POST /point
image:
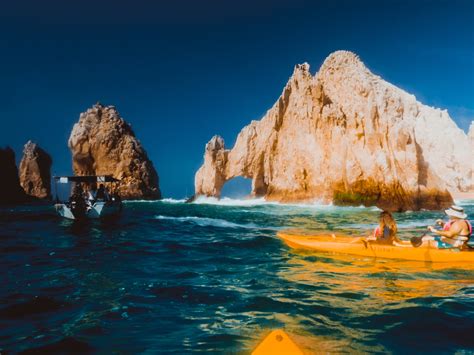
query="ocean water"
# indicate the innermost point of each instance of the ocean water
(170, 277)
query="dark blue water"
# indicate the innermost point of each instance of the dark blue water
(174, 278)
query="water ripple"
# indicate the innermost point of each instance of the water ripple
(212, 276)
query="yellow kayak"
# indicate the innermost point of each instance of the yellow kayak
(277, 343)
(355, 246)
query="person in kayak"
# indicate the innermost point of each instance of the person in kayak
(454, 234)
(386, 232)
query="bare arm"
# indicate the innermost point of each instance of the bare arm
(455, 230)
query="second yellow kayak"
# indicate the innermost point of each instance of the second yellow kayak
(355, 246)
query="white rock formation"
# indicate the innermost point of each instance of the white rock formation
(345, 136)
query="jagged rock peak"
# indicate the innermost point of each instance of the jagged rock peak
(35, 171)
(341, 60)
(303, 68)
(103, 143)
(216, 143)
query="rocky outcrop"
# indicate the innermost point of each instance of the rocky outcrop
(345, 136)
(35, 171)
(10, 188)
(103, 143)
(212, 175)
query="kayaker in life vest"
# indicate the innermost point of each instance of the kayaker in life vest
(386, 232)
(455, 233)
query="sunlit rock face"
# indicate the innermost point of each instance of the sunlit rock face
(102, 143)
(35, 171)
(348, 137)
(10, 188)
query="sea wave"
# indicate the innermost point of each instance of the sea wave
(226, 201)
(464, 202)
(140, 201)
(206, 222)
(165, 200)
(253, 202)
(173, 200)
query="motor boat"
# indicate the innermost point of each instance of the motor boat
(86, 200)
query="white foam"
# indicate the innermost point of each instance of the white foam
(141, 201)
(173, 200)
(165, 200)
(226, 201)
(252, 202)
(204, 222)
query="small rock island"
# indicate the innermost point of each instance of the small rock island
(102, 143)
(35, 171)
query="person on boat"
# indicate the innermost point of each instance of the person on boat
(77, 193)
(107, 194)
(454, 234)
(386, 232)
(77, 200)
(102, 193)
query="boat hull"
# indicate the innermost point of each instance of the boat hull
(354, 246)
(104, 209)
(99, 209)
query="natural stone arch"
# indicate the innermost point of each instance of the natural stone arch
(237, 187)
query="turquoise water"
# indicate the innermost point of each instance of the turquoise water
(169, 277)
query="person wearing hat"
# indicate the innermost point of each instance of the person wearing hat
(455, 233)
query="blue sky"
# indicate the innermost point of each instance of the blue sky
(182, 72)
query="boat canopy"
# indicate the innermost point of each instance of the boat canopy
(85, 179)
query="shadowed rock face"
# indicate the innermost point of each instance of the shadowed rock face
(10, 188)
(35, 171)
(344, 136)
(102, 143)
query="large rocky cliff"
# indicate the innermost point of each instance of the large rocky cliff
(103, 143)
(10, 188)
(345, 136)
(35, 171)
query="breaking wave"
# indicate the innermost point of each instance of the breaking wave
(165, 200)
(140, 201)
(254, 202)
(205, 222)
(226, 201)
(173, 200)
